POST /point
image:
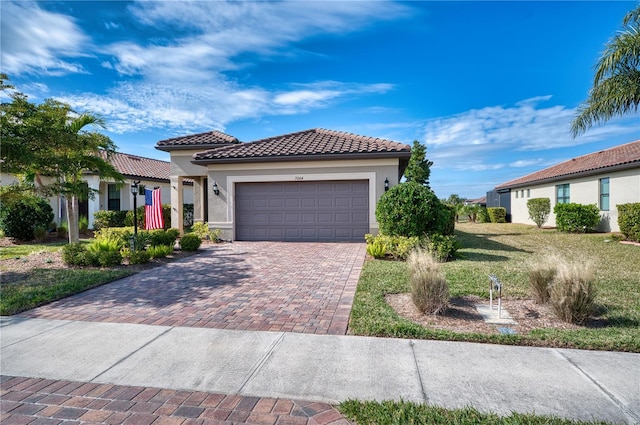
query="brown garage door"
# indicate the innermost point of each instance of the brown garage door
(302, 211)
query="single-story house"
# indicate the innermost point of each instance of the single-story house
(312, 185)
(117, 197)
(606, 178)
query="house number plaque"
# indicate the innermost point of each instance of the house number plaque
(299, 178)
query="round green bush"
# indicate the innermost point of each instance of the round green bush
(190, 242)
(408, 209)
(18, 219)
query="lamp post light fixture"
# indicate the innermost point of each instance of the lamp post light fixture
(386, 184)
(216, 190)
(134, 192)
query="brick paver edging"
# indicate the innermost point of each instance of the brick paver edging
(44, 401)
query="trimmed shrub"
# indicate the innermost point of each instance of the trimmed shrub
(576, 218)
(539, 210)
(442, 248)
(446, 222)
(483, 216)
(18, 218)
(629, 220)
(202, 230)
(573, 293)
(497, 214)
(163, 237)
(108, 258)
(159, 251)
(75, 254)
(121, 234)
(408, 209)
(102, 219)
(190, 242)
(429, 288)
(137, 257)
(128, 217)
(39, 233)
(63, 230)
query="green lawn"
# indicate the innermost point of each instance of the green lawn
(407, 413)
(507, 250)
(35, 287)
(19, 251)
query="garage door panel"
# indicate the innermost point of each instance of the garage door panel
(302, 211)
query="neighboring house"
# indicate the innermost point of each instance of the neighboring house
(606, 178)
(313, 185)
(117, 197)
(478, 201)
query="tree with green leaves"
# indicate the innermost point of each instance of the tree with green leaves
(419, 168)
(50, 140)
(455, 201)
(616, 84)
(539, 210)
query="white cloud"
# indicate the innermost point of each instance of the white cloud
(39, 42)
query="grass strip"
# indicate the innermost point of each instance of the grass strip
(409, 413)
(42, 286)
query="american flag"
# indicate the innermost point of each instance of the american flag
(153, 209)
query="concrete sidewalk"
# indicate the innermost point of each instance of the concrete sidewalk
(587, 385)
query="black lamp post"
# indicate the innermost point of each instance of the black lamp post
(134, 191)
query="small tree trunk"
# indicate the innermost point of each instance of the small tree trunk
(72, 217)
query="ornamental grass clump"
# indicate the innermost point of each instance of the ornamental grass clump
(429, 288)
(541, 276)
(573, 293)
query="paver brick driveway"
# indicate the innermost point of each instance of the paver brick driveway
(272, 286)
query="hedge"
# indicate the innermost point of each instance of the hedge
(629, 220)
(576, 218)
(497, 214)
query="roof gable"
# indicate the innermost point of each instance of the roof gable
(310, 144)
(627, 155)
(210, 139)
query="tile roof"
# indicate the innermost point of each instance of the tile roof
(138, 166)
(626, 156)
(310, 144)
(206, 140)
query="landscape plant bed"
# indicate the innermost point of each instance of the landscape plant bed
(34, 275)
(508, 250)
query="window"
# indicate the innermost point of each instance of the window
(516, 194)
(604, 194)
(113, 197)
(522, 193)
(528, 193)
(562, 194)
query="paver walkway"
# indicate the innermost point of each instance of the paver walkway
(45, 401)
(268, 286)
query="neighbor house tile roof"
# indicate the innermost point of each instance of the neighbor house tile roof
(211, 139)
(310, 144)
(139, 167)
(623, 156)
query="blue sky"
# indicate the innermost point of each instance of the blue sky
(489, 87)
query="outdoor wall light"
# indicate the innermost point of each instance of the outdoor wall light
(386, 184)
(215, 188)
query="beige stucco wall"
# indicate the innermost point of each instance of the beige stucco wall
(221, 207)
(624, 187)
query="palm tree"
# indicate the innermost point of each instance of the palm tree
(81, 153)
(616, 84)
